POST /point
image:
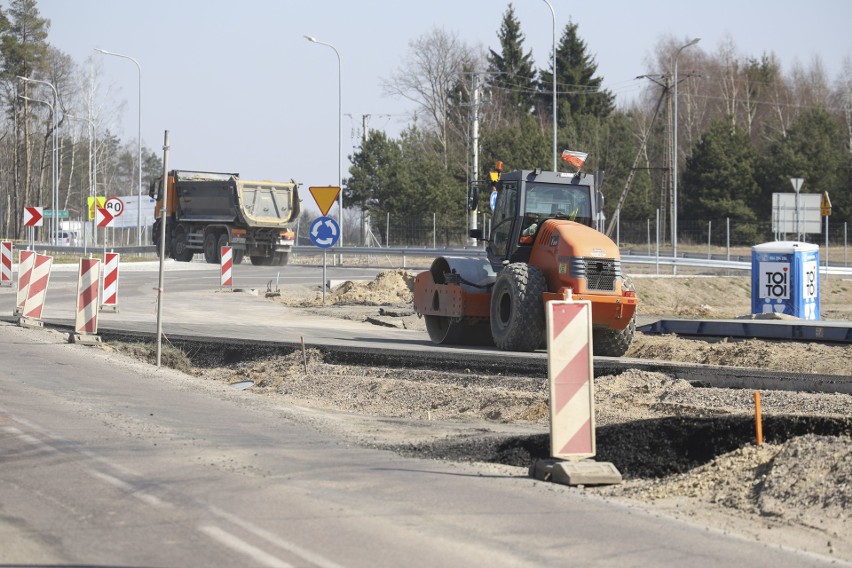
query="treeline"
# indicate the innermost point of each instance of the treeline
(40, 86)
(745, 127)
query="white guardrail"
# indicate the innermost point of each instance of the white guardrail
(691, 260)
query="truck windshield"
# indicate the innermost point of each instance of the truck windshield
(544, 200)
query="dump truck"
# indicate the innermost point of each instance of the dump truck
(542, 246)
(206, 211)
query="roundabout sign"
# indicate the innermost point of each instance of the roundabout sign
(324, 232)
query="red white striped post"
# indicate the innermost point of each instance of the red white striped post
(26, 258)
(572, 399)
(227, 267)
(571, 375)
(110, 295)
(88, 281)
(36, 291)
(6, 248)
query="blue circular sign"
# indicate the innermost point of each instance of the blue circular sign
(324, 232)
(493, 200)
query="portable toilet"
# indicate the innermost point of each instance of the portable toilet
(785, 279)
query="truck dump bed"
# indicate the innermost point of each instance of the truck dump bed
(224, 198)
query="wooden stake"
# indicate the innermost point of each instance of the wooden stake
(304, 355)
(758, 419)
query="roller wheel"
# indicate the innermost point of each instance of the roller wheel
(517, 308)
(609, 342)
(211, 253)
(452, 331)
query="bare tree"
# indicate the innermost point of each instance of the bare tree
(430, 72)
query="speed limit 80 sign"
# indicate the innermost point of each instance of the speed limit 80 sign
(114, 205)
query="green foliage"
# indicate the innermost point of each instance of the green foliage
(719, 180)
(512, 70)
(814, 150)
(578, 90)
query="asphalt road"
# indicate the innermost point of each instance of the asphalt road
(110, 463)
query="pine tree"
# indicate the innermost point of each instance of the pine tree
(513, 71)
(578, 90)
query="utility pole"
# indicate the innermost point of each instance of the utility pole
(474, 215)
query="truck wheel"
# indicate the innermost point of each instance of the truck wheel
(181, 250)
(259, 260)
(211, 252)
(609, 342)
(280, 259)
(517, 308)
(239, 255)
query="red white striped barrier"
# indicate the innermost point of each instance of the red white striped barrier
(37, 290)
(6, 263)
(26, 259)
(227, 266)
(570, 371)
(88, 281)
(110, 295)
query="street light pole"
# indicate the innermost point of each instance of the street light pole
(139, 142)
(54, 220)
(674, 165)
(312, 39)
(55, 199)
(553, 15)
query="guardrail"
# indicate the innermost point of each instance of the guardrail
(691, 260)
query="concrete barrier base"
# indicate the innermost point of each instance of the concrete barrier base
(84, 338)
(109, 308)
(584, 472)
(30, 323)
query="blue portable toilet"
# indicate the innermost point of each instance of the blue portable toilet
(785, 279)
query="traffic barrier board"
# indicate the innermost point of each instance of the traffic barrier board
(110, 287)
(88, 280)
(570, 373)
(37, 289)
(26, 259)
(6, 248)
(227, 266)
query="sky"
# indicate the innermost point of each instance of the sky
(240, 89)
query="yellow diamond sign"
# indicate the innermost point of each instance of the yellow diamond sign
(325, 197)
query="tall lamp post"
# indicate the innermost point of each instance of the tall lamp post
(553, 15)
(312, 39)
(139, 143)
(674, 165)
(53, 226)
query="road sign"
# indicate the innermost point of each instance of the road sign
(103, 217)
(114, 205)
(797, 184)
(825, 205)
(60, 214)
(492, 201)
(325, 197)
(93, 204)
(33, 216)
(324, 232)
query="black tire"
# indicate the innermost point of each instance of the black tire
(280, 259)
(259, 260)
(609, 342)
(181, 251)
(452, 331)
(239, 255)
(517, 308)
(211, 253)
